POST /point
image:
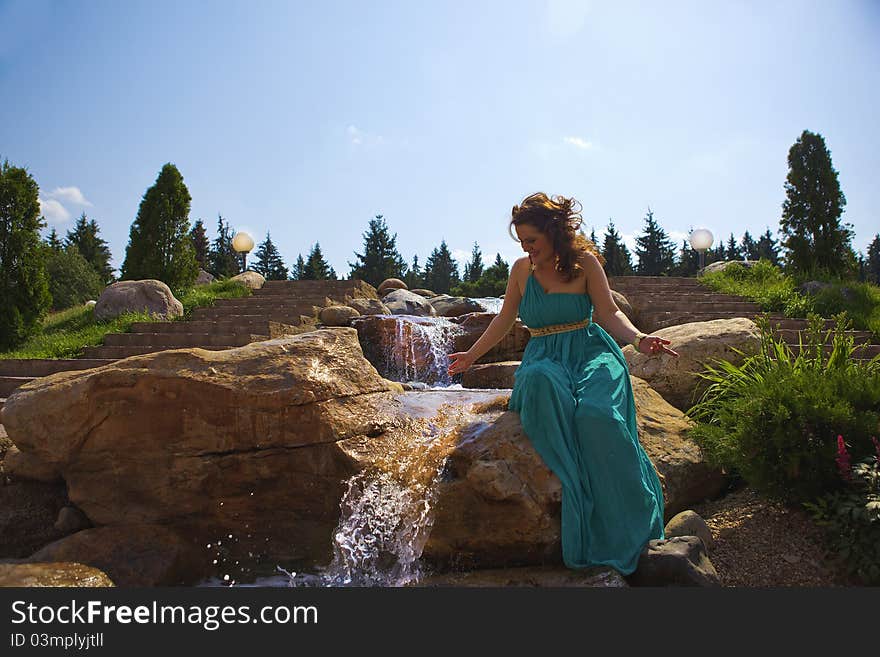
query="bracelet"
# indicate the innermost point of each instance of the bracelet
(638, 339)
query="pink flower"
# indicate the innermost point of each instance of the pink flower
(843, 463)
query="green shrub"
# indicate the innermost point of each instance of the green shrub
(205, 295)
(775, 418)
(72, 280)
(851, 518)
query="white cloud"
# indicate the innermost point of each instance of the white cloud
(53, 211)
(358, 137)
(71, 195)
(582, 144)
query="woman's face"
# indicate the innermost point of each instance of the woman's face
(536, 244)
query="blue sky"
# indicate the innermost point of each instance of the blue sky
(307, 119)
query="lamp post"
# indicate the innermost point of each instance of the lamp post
(243, 243)
(701, 239)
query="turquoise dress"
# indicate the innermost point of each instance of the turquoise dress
(575, 401)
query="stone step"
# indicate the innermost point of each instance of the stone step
(697, 306)
(280, 316)
(695, 295)
(256, 324)
(269, 302)
(790, 336)
(117, 352)
(43, 367)
(10, 383)
(656, 280)
(182, 339)
(305, 287)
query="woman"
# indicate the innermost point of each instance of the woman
(572, 389)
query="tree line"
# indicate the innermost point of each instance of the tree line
(36, 274)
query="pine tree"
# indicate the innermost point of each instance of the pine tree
(298, 271)
(200, 243)
(159, 245)
(654, 249)
(269, 262)
(767, 249)
(732, 252)
(24, 283)
(812, 234)
(84, 237)
(380, 259)
(593, 235)
(474, 269)
(492, 283)
(53, 242)
(222, 258)
(413, 277)
(748, 247)
(872, 264)
(618, 261)
(441, 271)
(688, 260)
(316, 268)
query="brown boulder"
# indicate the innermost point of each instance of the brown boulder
(698, 344)
(24, 465)
(52, 574)
(28, 510)
(253, 280)
(490, 375)
(390, 284)
(424, 293)
(369, 306)
(510, 347)
(337, 315)
(404, 302)
(449, 306)
(148, 295)
(677, 561)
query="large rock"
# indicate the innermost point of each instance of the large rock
(28, 510)
(404, 302)
(24, 465)
(429, 294)
(510, 347)
(624, 305)
(390, 284)
(204, 278)
(52, 574)
(698, 344)
(721, 266)
(447, 306)
(252, 279)
(148, 295)
(196, 440)
(490, 375)
(689, 523)
(369, 306)
(678, 561)
(337, 315)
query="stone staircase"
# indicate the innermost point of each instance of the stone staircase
(278, 308)
(660, 301)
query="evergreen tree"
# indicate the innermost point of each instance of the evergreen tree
(380, 259)
(441, 271)
(492, 283)
(159, 245)
(688, 260)
(732, 252)
(316, 268)
(24, 284)
(812, 234)
(474, 269)
(654, 249)
(749, 247)
(298, 271)
(269, 262)
(767, 249)
(222, 258)
(84, 237)
(200, 244)
(872, 264)
(53, 242)
(718, 254)
(413, 277)
(593, 235)
(618, 261)
(72, 279)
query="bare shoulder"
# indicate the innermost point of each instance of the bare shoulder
(519, 272)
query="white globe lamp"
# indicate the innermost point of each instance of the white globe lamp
(701, 239)
(243, 243)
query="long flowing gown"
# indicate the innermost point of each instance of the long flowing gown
(575, 401)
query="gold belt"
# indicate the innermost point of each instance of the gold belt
(558, 328)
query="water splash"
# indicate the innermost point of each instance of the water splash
(491, 304)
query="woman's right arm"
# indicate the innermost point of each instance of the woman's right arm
(498, 327)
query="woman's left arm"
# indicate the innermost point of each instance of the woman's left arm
(610, 317)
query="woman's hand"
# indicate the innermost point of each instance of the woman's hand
(459, 362)
(652, 344)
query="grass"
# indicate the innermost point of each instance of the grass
(66, 333)
(775, 291)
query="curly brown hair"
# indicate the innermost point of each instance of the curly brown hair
(558, 218)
